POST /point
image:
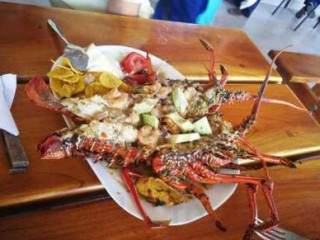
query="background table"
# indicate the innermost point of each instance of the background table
(27, 45)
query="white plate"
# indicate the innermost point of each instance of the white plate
(112, 182)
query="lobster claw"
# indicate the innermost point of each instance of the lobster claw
(224, 76)
(213, 81)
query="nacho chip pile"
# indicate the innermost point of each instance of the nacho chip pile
(66, 81)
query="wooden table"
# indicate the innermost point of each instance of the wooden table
(297, 194)
(298, 67)
(298, 70)
(280, 130)
(26, 32)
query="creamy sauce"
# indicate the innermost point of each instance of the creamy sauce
(109, 131)
(87, 107)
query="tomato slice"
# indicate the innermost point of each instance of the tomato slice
(134, 62)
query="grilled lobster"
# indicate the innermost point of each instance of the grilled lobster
(183, 165)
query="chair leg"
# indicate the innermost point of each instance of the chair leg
(285, 6)
(278, 7)
(318, 22)
(305, 18)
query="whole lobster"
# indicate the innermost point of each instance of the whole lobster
(181, 166)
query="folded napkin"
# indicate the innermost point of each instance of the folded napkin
(8, 86)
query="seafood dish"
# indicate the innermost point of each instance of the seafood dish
(129, 115)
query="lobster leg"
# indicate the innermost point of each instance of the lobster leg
(265, 157)
(211, 73)
(241, 167)
(158, 166)
(199, 168)
(252, 191)
(196, 173)
(267, 189)
(199, 194)
(126, 175)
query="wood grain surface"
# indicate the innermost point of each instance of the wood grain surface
(297, 196)
(27, 45)
(298, 67)
(297, 70)
(310, 100)
(280, 130)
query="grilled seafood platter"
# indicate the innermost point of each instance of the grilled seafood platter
(162, 136)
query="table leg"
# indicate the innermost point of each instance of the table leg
(305, 18)
(285, 6)
(316, 23)
(278, 7)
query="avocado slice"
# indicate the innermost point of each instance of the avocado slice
(202, 126)
(145, 106)
(150, 120)
(184, 124)
(179, 100)
(180, 138)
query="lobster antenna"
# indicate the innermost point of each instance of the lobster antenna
(258, 101)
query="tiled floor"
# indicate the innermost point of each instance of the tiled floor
(273, 32)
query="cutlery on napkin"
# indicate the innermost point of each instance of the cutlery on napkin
(17, 155)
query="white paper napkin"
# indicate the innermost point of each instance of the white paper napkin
(8, 86)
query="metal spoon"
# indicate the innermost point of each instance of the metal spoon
(76, 54)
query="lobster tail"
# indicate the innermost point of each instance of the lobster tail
(39, 92)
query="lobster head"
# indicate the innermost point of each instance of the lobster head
(52, 147)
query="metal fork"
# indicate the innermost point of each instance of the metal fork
(278, 234)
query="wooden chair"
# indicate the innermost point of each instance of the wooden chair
(318, 22)
(300, 71)
(282, 2)
(303, 20)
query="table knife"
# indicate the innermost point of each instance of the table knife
(17, 156)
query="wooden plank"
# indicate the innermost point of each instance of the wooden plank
(26, 48)
(280, 130)
(45, 179)
(297, 196)
(308, 98)
(316, 90)
(298, 67)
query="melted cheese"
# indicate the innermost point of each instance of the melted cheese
(87, 107)
(109, 131)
